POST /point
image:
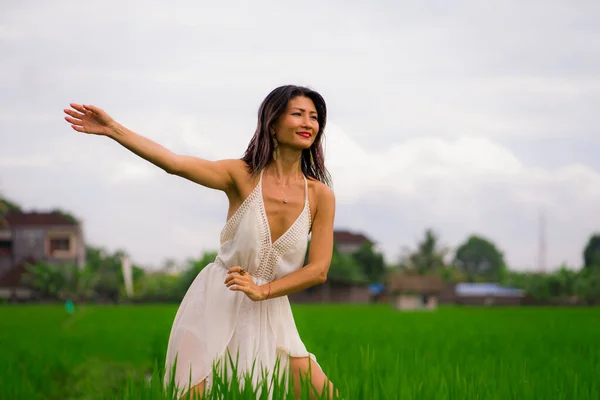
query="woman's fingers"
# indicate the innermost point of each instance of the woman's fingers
(73, 113)
(78, 107)
(237, 269)
(92, 108)
(229, 280)
(240, 289)
(234, 281)
(237, 280)
(74, 121)
(79, 128)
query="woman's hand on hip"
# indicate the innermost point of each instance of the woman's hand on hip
(238, 279)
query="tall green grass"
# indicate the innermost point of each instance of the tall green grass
(369, 352)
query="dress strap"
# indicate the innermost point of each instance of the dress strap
(305, 188)
(307, 204)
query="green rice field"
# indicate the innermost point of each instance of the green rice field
(369, 352)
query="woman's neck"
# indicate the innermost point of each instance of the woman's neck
(287, 167)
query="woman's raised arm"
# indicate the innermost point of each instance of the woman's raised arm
(95, 121)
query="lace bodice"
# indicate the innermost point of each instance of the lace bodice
(246, 239)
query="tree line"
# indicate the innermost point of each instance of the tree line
(477, 259)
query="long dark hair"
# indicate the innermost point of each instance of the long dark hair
(259, 153)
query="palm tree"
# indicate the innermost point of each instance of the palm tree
(428, 257)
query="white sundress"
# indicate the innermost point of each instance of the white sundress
(212, 319)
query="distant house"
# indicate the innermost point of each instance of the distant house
(349, 242)
(11, 286)
(414, 292)
(30, 237)
(487, 294)
(333, 291)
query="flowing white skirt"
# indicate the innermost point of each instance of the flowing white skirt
(213, 321)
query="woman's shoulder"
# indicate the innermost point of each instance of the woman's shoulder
(321, 193)
(237, 168)
(317, 186)
(242, 175)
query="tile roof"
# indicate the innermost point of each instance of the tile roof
(37, 219)
(401, 282)
(346, 237)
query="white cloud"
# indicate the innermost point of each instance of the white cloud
(26, 161)
(130, 171)
(464, 186)
(404, 164)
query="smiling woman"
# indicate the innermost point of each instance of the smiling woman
(278, 193)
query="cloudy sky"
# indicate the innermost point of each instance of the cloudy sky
(463, 116)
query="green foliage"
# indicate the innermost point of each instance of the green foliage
(48, 280)
(479, 258)
(192, 268)
(591, 253)
(563, 286)
(158, 286)
(228, 383)
(65, 214)
(345, 268)
(352, 268)
(64, 281)
(587, 286)
(476, 260)
(108, 270)
(451, 274)
(371, 263)
(428, 257)
(169, 285)
(101, 278)
(7, 206)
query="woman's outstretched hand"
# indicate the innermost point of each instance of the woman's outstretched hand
(240, 280)
(89, 119)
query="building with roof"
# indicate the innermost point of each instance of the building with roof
(30, 237)
(487, 294)
(348, 242)
(414, 292)
(333, 291)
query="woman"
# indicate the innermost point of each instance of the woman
(278, 193)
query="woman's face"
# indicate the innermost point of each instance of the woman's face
(298, 126)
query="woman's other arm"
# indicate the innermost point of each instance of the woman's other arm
(319, 258)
